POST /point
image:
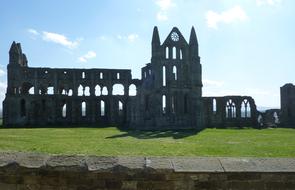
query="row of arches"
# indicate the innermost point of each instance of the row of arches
(173, 53)
(83, 108)
(64, 109)
(117, 89)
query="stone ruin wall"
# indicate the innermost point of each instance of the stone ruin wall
(42, 96)
(68, 96)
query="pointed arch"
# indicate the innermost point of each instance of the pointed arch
(50, 90)
(120, 108)
(167, 52)
(230, 109)
(180, 54)
(118, 89)
(80, 90)
(102, 108)
(164, 104)
(132, 90)
(104, 91)
(70, 93)
(164, 75)
(32, 90)
(97, 90)
(174, 53)
(87, 91)
(83, 109)
(64, 111)
(245, 109)
(214, 105)
(175, 72)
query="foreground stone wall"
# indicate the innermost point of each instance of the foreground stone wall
(20, 171)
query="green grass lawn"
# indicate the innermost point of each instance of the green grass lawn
(111, 142)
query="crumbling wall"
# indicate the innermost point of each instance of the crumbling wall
(230, 111)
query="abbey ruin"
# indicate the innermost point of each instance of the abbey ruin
(168, 95)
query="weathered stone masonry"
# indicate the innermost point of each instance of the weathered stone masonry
(20, 171)
(169, 95)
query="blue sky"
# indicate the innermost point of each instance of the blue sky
(246, 47)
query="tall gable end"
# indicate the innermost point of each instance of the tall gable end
(175, 38)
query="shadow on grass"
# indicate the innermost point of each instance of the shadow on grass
(156, 134)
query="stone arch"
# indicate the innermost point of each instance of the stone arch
(174, 70)
(70, 92)
(83, 109)
(102, 108)
(214, 105)
(80, 90)
(167, 52)
(25, 87)
(97, 90)
(174, 54)
(120, 108)
(245, 109)
(87, 91)
(164, 75)
(276, 118)
(118, 89)
(104, 91)
(64, 110)
(180, 54)
(230, 109)
(32, 90)
(132, 90)
(164, 105)
(50, 90)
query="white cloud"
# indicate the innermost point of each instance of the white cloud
(87, 56)
(33, 31)
(162, 16)
(208, 82)
(235, 14)
(268, 2)
(2, 72)
(132, 37)
(2, 92)
(59, 39)
(164, 6)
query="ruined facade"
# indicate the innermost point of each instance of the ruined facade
(169, 95)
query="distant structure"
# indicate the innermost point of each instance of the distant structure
(287, 114)
(169, 95)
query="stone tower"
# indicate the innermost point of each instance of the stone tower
(288, 105)
(171, 91)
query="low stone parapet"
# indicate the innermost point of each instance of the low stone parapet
(31, 171)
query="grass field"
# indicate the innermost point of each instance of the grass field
(111, 142)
